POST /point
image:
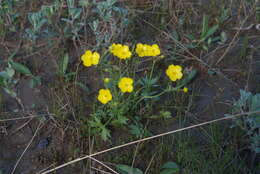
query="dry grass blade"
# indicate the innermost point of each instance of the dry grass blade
(45, 168)
(19, 128)
(150, 163)
(94, 159)
(231, 43)
(23, 118)
(100, 170)
(149, 138)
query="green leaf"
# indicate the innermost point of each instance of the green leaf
(244, 98)
(125, 169)
(255, 103)
(204, 26)
(170, 165)
(175, 35)
(2, 81)
(4, 75)
(75, 12)
(84, 3)
(48, 10)
(170, 168)
(136, 130)
(223, 37)
(255, 106)
(166, 114)
(10, 72)
(64, 64)
(169, 171)
(71, 3)
(211, 72)
(121, 120)
(105, 134)
(20, 68)
(190, 36)
(210, 32)
(10, 92)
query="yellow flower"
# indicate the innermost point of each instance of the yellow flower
(106, 80)
(86, 58)
(143, 50)
(155, 51)
(174, 72)
(185, 89)
(120, 51)
(95, 58)
(126, 84)
(104, 96)
(90, 58)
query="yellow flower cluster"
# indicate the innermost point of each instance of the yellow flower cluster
(174, 72)
(120, 51)
(126, 84)
(143, 50)
(90, 58)
(104, 96)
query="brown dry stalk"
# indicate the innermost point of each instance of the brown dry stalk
(149, 138)
(232, 41)
(28, 117)
(94, 159)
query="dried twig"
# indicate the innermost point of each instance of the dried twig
(94, 159)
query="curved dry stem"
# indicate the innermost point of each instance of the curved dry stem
(94, 159)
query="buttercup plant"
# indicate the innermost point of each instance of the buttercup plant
(116, 107)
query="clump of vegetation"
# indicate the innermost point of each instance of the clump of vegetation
(123, 94)
(249, 103)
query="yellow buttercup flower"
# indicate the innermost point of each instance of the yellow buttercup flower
(95, 58)
(155, 50)
(120, 51)
(104, 96)
(126, 84)
(143, 50)
(90, 58)
(174, 72)
(185, 89)
(86, 58)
